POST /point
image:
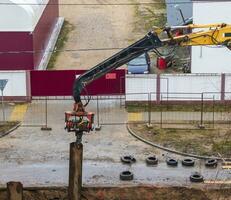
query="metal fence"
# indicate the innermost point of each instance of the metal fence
(186, 110)
(171, 110)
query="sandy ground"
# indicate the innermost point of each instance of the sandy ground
(95, 27)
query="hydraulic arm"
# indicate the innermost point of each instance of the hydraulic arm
(79, 120)
(150, 41)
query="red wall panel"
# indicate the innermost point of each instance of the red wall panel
(60, 83)
(16, 42)
(44, 29)
(25, 41)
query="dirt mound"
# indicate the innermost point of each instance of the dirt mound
(128, 193)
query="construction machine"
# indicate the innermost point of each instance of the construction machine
(79, 120)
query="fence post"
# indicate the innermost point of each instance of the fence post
(46, 128)
(202, 110)
(158, 81)
(213, 111)
(223, 81)
(14, 191)
(3, 108)
(98, 126)
(149, 125)
(161, 112)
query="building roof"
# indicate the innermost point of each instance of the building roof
(17, 16)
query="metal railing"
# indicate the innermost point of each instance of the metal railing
(201, 109)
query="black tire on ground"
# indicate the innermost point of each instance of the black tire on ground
(188, 162)
(172, 162)
(128, 159)
(196, 178)
(152, 160)
(211, 163)
(126, 176)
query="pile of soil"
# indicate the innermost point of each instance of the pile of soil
(128, 193)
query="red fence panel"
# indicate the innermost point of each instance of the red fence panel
(60, 83)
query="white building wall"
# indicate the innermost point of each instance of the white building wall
(190, 86)
(16, 85)
(181, 87)
(17, 16)
(211, 59)
(138, 87)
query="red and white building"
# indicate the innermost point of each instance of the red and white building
(29, 27)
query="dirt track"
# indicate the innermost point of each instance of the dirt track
(95, 27)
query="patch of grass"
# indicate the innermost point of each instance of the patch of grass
(6, 126)
(144, 107)
(223, 147)
(62, 39)
(206, 142)
(148, 16)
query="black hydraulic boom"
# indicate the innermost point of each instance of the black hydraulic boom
(80, 121)
(150, 41)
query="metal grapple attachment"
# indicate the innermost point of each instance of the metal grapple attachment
(78, 120)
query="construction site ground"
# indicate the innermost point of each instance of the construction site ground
(38, 158)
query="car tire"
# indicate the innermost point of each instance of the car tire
(211, 163)
(128, 159)
(152, 160)
(188, 162)
(171, 162)
(126, 176)
(196, 178)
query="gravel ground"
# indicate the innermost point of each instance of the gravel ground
(95, 27)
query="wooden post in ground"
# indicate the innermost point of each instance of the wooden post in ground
(14, 191)
(75, 171)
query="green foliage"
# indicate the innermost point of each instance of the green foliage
(223, 147)
(148, 16)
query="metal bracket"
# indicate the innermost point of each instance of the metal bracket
(79, 135)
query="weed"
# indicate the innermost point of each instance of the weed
(62, 39)
(195, 141)
(143, 107)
